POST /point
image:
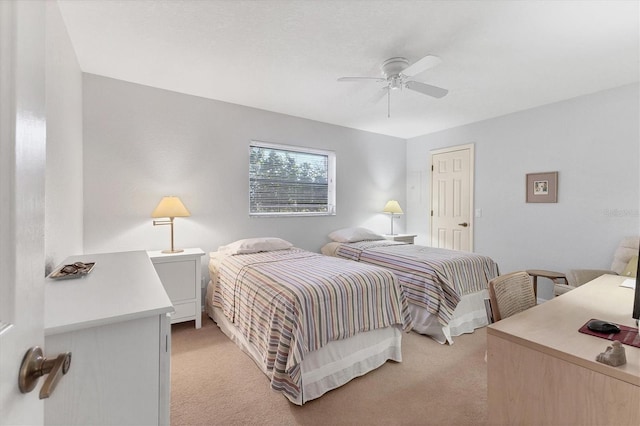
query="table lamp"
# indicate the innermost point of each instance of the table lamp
(393, 208)
(170, 207)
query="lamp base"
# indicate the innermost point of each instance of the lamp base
(173, 251)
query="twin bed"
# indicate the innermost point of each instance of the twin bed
(310, 322)
(446, 289)
(313, 322)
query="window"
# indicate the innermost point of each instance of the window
(290, 181)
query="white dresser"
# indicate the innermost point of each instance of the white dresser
(180, 274)
(115, 323)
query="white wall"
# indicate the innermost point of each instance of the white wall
(63, 187)
(593, 142)
(141, 143)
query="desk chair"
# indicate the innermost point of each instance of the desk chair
(510, 294)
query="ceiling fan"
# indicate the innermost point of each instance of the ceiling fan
(397, 75)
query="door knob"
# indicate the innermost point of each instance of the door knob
(463, 224)
(34, 365)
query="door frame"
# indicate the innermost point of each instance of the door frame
(472, 160)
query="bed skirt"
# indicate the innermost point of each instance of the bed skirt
(469, 315)
(331, 366)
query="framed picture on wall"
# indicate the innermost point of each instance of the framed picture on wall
(542, 187)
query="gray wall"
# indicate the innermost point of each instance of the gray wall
(63, 187)
(593, 142)
(141, 143)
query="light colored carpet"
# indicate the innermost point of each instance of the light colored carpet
(215, 383)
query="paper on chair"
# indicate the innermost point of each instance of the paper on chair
(629, 282)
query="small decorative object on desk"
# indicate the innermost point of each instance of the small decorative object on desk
(74, 270)
(614, 355)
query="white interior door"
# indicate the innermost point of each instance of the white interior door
(452, 198)
(22, 171)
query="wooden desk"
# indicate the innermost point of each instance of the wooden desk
(541, 370)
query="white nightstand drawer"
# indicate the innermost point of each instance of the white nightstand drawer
(403, 238)
(183, 310)
(178, 278)
(181, 277)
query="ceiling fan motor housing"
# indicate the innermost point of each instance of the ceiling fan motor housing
(394, 66)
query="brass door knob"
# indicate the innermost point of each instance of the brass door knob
(34, 365)
(463, 224)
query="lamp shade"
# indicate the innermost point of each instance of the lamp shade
(170, 207)
(392, 206)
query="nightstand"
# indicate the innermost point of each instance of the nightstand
(403, 238)
(180, 274)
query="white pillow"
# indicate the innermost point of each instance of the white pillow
(255, 245)
(352, 235)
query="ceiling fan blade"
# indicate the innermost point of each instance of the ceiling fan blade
(427, 89)
(361, 79)
(423, 64)
(379, 95)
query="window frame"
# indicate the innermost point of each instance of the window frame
(295, 149)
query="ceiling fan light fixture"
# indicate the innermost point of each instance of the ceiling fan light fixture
(395, 83)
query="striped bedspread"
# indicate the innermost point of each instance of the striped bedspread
(291, 302)
(432, 278)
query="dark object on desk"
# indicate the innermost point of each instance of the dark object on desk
(603, 327)
(627, 336)
(636, 299)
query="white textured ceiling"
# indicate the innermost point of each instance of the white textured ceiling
(285, 56)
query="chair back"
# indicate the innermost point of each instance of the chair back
(510, 294)
(627, 249)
